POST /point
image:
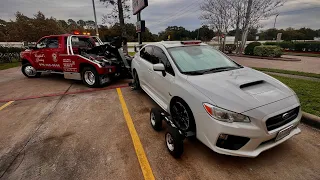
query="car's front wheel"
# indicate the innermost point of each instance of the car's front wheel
(90, 77)
(182, 115)
(29, 71)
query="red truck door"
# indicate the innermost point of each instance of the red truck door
(46, 55)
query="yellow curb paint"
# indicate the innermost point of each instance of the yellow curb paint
(5, 105)
(143, 160)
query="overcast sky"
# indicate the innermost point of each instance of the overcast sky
(160, 13)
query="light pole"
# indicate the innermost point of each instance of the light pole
(95, 18)
(275, 21)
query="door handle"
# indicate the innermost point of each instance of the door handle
(150, 71)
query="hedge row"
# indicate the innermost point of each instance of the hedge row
(9, 54)
(297, 46)
(4, 50)
(250, 48)
(267, 51)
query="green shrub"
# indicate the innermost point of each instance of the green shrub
(8, 54)
(250, 47)
(297, 46)
(230, 47)
(268, 51)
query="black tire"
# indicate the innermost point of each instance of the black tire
(136, 81)
(91, 82)
(155, 119)
(174, 142)
(29, 71)
(178, 110)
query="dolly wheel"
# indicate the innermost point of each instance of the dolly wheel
(155, 119)
(174, 142)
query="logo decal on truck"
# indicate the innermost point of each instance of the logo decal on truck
(54, 57)
(68, 65)
(39, 57)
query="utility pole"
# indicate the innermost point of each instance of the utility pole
(275, 21)
(198, 34)
(139, 33)
(246, 26)
(95, 18)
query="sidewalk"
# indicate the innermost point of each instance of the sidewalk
(307, 64)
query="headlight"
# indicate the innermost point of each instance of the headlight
(103, 64)
(225, 115)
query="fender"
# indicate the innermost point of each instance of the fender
(27, 56)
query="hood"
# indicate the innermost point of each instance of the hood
(240, 90)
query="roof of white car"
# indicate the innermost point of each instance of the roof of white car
(170, 44)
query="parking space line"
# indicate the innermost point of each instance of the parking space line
(5, 105)
(143, 160)
(65, 93)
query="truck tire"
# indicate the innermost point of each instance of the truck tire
(90, 77)
(29, 71)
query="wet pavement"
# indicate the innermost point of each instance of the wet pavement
(85, 136)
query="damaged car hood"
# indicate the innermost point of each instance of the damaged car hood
(240, 90)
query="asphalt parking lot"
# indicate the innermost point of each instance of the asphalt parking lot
(54, 128)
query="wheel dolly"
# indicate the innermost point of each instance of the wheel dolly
(174, 136)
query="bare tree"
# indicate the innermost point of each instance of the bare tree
(238, 14)
(218, 14)
(257, 10)
(119, 12)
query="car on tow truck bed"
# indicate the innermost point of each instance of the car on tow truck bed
(232, 109)
(67, 54)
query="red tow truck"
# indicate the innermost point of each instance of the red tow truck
(78, 57)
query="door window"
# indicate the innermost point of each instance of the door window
(52, 43)
(42, 43)
(158, 52)
(147, 54)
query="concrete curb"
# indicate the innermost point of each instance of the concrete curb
(311, 120)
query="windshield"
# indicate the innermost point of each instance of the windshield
(200, 60)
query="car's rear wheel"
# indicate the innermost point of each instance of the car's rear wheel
(182, 115)
(90, 77)
(29, 71)
(136, 81)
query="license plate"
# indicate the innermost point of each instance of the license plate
(284, 132)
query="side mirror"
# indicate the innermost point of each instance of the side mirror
(158, 67)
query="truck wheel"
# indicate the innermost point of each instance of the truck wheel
(155, 119)
(29, 71)
(174, 142)
(90, 77)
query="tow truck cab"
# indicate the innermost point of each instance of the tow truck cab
(62, 54)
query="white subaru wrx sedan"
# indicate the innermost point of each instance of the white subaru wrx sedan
(233, 109)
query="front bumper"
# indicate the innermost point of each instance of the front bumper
(260, 139)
